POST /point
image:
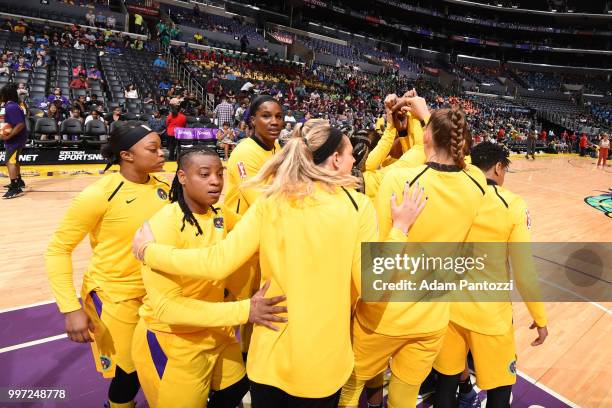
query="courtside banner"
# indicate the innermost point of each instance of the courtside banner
(57, 156)
(486, 272)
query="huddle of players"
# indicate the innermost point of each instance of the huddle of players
(166, 324)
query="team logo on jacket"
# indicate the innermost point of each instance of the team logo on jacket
(512, 367)
(241, 170)
(105, 362)
(528, 219)
(218, 222)
(162, 194)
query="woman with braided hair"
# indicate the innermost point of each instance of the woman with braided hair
(411, 333)
(307, 225)
(184, 344)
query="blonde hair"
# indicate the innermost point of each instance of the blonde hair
(450, 132)
(292, 173)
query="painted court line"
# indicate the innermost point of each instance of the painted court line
(548, 390)
(33, 343)
(11, 309)
(586, 300)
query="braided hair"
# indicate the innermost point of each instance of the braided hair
(450, 132)
(176, 191)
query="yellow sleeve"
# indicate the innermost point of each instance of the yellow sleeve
(216, 262)
(523, 268)
(415, 130)
(382, 149)
(85, 212)
(171, 307)
(382, 203)
(368, 232)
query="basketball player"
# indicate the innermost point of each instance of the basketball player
(308, 227)
(110, 211)
(411, 333)
(184, 344)
(485, 328)
(15, 140)
(267, 120)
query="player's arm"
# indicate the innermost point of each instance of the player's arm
(215, 262)
(523, 268)
(382, 149)
(84, 213)
(82, 216)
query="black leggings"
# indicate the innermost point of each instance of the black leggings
(266, 396)
(446, 391)
(123, 387)
(499, 397)
(229, 397)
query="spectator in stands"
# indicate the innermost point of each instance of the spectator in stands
(247, 87)
(138, 20)
(242, 131)
(53, 112)
(227, 139)
(238, 116)
(289, 118)
(110, 22)
(156, 122)
(22, 92)
(75, 113)
(285, 134)
(79, 83)
(131, 92)
(114, 116)
(149, 99)
(40, 62)
(78, 70)
(197, 37)
(175, 119)
(224, 112)
(100, 20)
(21, 27)
(91, 18)
(57, 96)
(160, 62)
(93, 115)
(81, 104)
(211, 85)
(5, 68)
(164, 84)
(95, 103)
(29, 50)
(22, 65)
(78, 45)
(93, 74)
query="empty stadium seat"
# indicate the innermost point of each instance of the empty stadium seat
(71, 129)
(45, 127)
(95, 133)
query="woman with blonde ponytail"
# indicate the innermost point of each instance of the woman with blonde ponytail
(308, 226)
(411, 333)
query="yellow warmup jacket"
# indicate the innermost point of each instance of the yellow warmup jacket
(502, 218)
(454, 198)
(110, 211)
